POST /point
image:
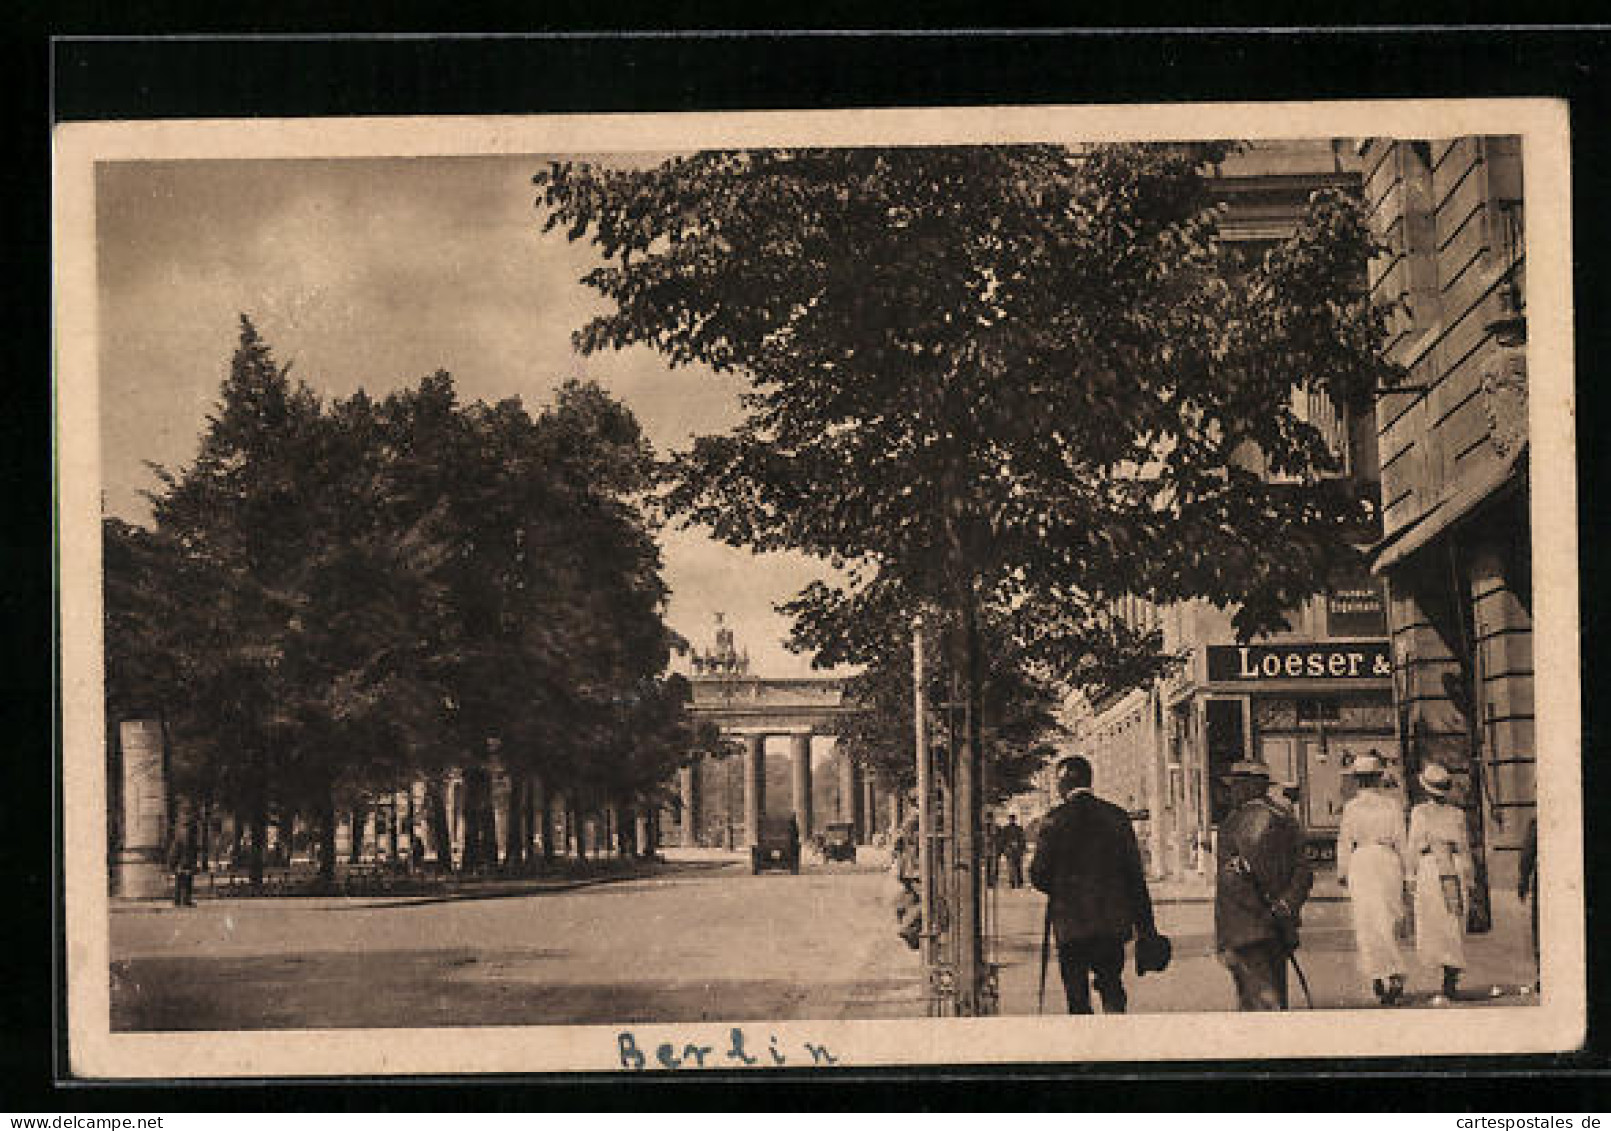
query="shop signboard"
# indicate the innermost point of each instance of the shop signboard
(1357, 610)
(1306, 662)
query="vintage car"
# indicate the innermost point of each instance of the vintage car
(777, 845)
(839, 841)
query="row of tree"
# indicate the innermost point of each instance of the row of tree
(338, 598)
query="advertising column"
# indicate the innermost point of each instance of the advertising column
(140, 873)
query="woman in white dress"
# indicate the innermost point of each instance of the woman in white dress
(1370, 863)
(1440, 860)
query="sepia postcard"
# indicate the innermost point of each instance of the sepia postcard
(819, 590)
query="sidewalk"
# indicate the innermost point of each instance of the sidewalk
(1193, 888)
(440, 890)
(1500, 971)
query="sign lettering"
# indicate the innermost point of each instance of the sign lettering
(1232, 663)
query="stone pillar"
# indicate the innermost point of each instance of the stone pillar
(1503, 642)
(456, 815)
(849, 796)
(869, 808)
(800, 782)
(499, 796)
(640, 829)
(344, 836)
(140, 868)
(754, 785)
(688, 782)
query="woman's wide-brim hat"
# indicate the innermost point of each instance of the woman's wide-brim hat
(1436, 779)
(1366, 764)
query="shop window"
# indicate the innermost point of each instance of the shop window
(1227, 743)
(1366, 712)
(1274, 714)
(1312, 712)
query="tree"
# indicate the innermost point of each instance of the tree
(1018, 382)
(339, 598)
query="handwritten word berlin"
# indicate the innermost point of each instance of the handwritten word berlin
(737, 1054)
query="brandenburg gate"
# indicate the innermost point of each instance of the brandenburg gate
(752, 707)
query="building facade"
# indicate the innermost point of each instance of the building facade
(1453, 441)
(1304, 701)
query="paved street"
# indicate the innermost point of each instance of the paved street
(705, 942)
(716, 942)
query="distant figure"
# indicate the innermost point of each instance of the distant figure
(1370, 864)
(1261, 884)
(182, 857)
(1440, 856)
(1089, 865)
(1527, 885)
(1013, 847)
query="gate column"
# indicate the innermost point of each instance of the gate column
(754, 785)
(850, 796)
(690, 804)
(800, 751)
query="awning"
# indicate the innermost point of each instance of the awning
(1444, 513)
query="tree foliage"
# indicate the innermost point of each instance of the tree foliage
(1024, 379)
(337, 598)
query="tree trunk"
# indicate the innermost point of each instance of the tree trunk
(355, 851)
(515, 823)
(968, 778)
(626, 831)
(545, 819)
(327, 840)
(259, 825)
(436, 820)
(206, 838)
(474, 803)
(578, 832)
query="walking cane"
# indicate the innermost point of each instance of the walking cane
(1045, 950)
(1302, 981)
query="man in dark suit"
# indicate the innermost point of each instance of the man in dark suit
(1089, 865)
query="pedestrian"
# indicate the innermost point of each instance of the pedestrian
(1089, 865)
(1440, 860)
(1370, 864)
(182, 857)
(1527, 886)
(992, 850)
(1013, 846)
(1260, 886)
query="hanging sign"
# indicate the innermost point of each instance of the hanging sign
(1232, 663)
(1356, 611)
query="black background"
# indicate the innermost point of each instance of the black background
(204, 77)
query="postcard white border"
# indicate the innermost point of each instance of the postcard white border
(1557, 1024)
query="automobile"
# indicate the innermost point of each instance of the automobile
(777, 845)
(839, 841)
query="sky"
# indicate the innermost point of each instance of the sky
(374, 273)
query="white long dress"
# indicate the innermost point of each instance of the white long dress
(1370, 857)
(1438, 845)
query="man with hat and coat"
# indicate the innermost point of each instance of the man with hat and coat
(1262, 881)
(1440, 861)
(1088, 863)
